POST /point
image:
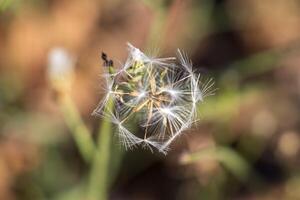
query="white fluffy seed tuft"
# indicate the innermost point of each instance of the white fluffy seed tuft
(161, 95)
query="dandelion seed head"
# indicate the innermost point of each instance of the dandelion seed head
(160, 95)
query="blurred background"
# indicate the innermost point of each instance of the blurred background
(247, 143)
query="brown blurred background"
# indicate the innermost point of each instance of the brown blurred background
(250, 47)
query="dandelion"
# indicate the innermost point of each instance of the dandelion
(159, 94)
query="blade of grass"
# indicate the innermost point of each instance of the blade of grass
(229, 158)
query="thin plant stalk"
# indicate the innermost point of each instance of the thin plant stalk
(98, 180)
(80, 132)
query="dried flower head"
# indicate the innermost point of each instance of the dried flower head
(159, 94)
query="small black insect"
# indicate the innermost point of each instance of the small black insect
(107, 62)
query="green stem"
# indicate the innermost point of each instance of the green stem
(98, 180)
(80, 132)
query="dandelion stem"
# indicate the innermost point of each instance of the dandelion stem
(78, 129)
(98, 180)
